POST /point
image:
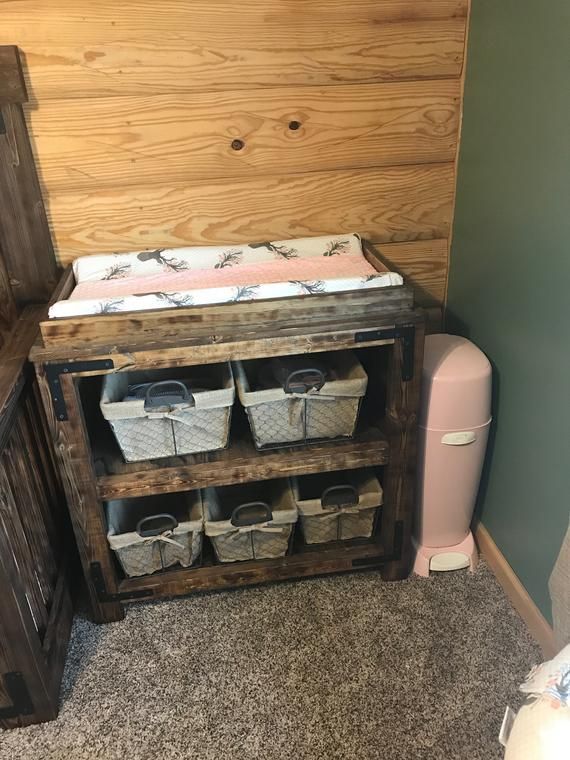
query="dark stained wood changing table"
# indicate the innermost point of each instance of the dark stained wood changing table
(73, 354)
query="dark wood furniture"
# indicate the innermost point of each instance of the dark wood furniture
(74, 353)
(71, 357)
(35, 605)
(29, 271)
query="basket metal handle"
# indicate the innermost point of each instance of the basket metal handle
(178, 389)
(251, 513)
(302, 380)
(157, 524)
(336, 497)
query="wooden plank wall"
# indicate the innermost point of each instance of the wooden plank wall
(217, 121)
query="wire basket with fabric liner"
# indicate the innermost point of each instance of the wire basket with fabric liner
(300, 399)
(337, 506)
(163, 413)
(156, 532)
(252, 521)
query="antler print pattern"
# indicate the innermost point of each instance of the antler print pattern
(281, 251)
(245, 293)
(229, 258)
(310, 288)
(171, 264)
(336, 247)
(116, 271)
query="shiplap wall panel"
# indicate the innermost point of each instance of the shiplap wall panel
(141, 46)
(386, 205)
(423, 262)
(87, 143)
(337, 52)
(85, 20)
(133, 108)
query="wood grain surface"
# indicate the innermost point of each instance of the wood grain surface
(92, 49)
(12, 86)
(240, 463)
(317, 559)
(218, 323)
(103, 142)
(76, 470)
(396, 414)
(385, 205)
(34, 593)
(424, 265)
(399, 482)
(82, 20)
(338, 53)
(347, 117)
(25, 241)
(8, 311)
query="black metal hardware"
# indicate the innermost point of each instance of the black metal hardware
(156, 524)
(179, 393)
(251, 513)
(398, 540)
(394, 557)
(344, 495)
(405, 333)
(303, 380)
(15, 687)
(2, 125)
(53, 371)
(98, 581)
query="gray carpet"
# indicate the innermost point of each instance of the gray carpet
(341, 667)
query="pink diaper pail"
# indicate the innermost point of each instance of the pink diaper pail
(454, 422)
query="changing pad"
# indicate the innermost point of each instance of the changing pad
(166, 278)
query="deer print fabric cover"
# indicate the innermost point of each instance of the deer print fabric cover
(166, 278)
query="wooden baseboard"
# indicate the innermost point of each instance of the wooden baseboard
(536, 623)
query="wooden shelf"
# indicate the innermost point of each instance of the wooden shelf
(95, 471)
(320, 560)
(240, 463)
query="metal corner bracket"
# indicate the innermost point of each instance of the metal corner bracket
(98, 581)
(405, 333)
(53, 372)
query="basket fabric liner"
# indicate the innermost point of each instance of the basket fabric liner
(279, 417)
(186, 428)
(115, 389)
(143, 555)
(263, 540)
(167, 278)
(321, 524)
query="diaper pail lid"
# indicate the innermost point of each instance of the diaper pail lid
(456, 384)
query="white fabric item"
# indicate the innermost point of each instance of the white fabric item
(370, 495)
(205, 296)
(97, 267)
(543, 679)
(350, 381)
(115, 387)
(541, 730)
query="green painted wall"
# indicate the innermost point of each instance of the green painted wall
(509, 288)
